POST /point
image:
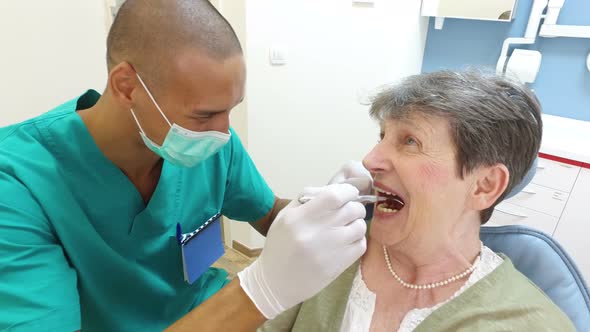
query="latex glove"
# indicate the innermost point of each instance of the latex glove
(306, 248)
(354, 173)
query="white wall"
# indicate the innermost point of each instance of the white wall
(304, 118)
(51, 51)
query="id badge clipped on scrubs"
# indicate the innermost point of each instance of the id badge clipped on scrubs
(201, 248)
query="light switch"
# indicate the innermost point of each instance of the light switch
(278, 55)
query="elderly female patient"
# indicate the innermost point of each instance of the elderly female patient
(452, 145)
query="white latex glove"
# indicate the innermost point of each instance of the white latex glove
(306, 248)
(354, 173)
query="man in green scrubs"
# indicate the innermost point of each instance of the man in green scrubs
(91, 193)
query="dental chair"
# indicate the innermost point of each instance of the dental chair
(543, 260)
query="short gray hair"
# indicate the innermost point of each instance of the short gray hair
(492, 118)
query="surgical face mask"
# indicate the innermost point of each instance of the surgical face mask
(183, 147)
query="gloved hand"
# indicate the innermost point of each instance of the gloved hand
(306, 248)
(354, 173)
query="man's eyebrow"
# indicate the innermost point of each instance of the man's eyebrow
(207, 112)
(211, 112)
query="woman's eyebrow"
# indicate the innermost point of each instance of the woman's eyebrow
(421, 129)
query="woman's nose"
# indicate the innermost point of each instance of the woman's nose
(375, 161)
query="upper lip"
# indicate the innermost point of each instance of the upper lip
(382, 187)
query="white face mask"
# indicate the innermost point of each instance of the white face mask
(183, 147)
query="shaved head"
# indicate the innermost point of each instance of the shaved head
(149, 33)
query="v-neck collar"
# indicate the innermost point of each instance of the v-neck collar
(150, 218)
(161, 212)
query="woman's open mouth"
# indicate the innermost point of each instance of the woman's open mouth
(392, 204)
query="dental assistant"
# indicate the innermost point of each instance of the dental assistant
(92, 194)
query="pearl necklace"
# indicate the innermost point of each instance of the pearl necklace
(434, 284)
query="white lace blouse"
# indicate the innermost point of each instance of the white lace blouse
(361, 301)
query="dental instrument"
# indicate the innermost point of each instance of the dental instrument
(364, 199)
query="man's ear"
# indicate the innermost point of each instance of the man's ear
(122, 82)
(490, 184)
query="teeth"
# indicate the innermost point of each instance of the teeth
(386, 210)
(383, 191)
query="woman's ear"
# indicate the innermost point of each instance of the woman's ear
(490, 184)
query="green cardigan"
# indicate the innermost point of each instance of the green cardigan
(504, 300)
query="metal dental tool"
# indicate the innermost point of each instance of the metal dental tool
(364, 199)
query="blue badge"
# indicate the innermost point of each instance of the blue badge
(201, 248)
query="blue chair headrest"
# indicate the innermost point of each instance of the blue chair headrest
(543, 261)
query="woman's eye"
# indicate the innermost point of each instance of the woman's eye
(410, 141)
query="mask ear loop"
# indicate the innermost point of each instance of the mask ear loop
(153, 100)
(137, 121)
(142, 132)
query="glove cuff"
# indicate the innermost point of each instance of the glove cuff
(255, 286)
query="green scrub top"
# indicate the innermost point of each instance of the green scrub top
(79, 249)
